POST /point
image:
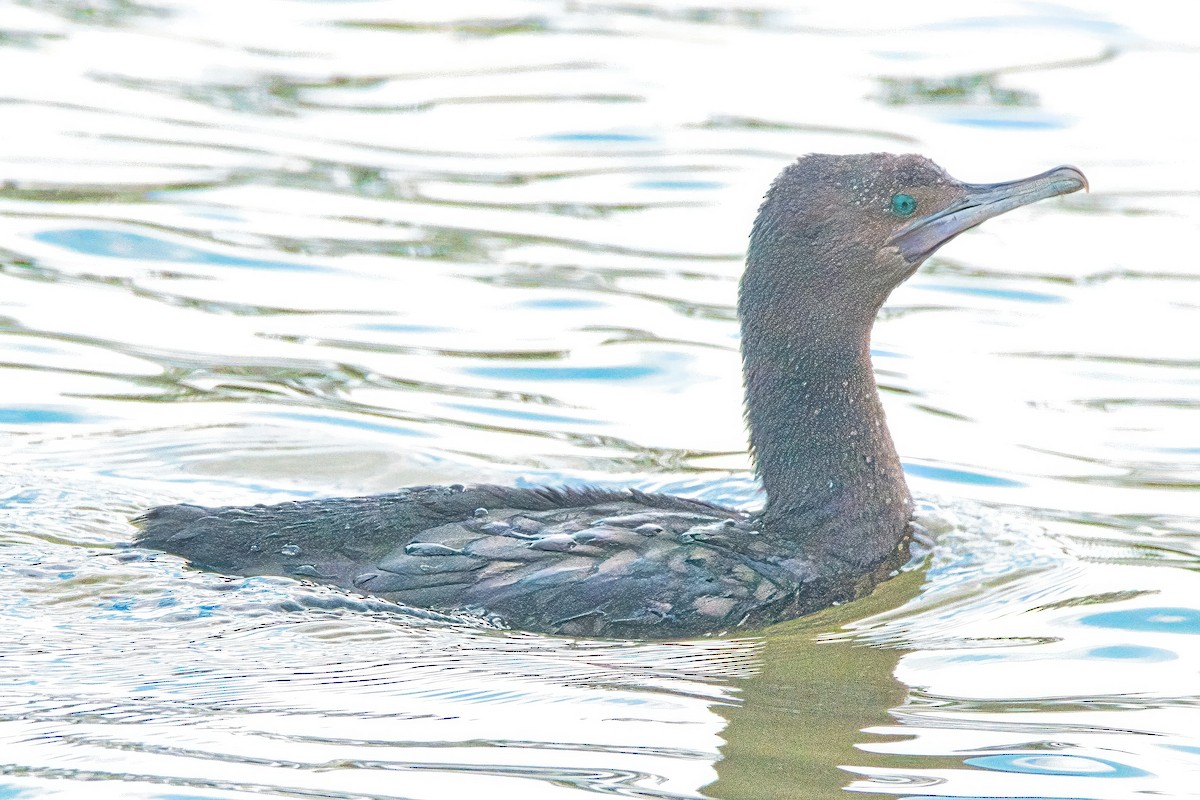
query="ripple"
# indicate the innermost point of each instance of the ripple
(1066, 765)
(254, 253)
(1158, 620)
(1131, 652)
(118, 244)
(959, 475)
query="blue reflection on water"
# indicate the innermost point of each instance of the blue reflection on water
(618, 373)
(513, 413)
(117, 604)
(348, 422)
(1005, 122)
(958, 476)
(24, 415)
(561, 303)
(1002, 294)
(1131, 652)
(1117, 652)
(122, 244)
(1159, 620)
(1047, 21)
(395, 327)
(1057, 764)
(21, 498)
(679, 184)
(977, 657)
(585, 136)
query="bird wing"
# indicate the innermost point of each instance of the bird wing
(577, 561)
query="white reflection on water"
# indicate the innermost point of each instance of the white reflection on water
(266, 250)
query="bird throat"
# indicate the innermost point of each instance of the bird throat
(833, 481)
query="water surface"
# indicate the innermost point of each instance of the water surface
(259, 251)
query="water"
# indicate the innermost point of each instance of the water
(268, 250)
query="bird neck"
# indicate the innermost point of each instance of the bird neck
(834, 485)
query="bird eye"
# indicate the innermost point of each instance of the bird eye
(904, 205)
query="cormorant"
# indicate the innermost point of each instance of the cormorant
(834, 236)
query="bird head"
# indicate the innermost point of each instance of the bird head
(853, 227)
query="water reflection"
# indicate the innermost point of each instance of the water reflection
(305, 692)
(119, 244)
(979, 90)
(1162, 620)
(253, 252)
(802, 714)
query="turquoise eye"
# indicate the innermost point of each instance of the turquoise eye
(904, 205)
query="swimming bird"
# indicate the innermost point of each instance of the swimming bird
(833, 237)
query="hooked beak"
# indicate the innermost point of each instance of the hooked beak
(917, 240)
